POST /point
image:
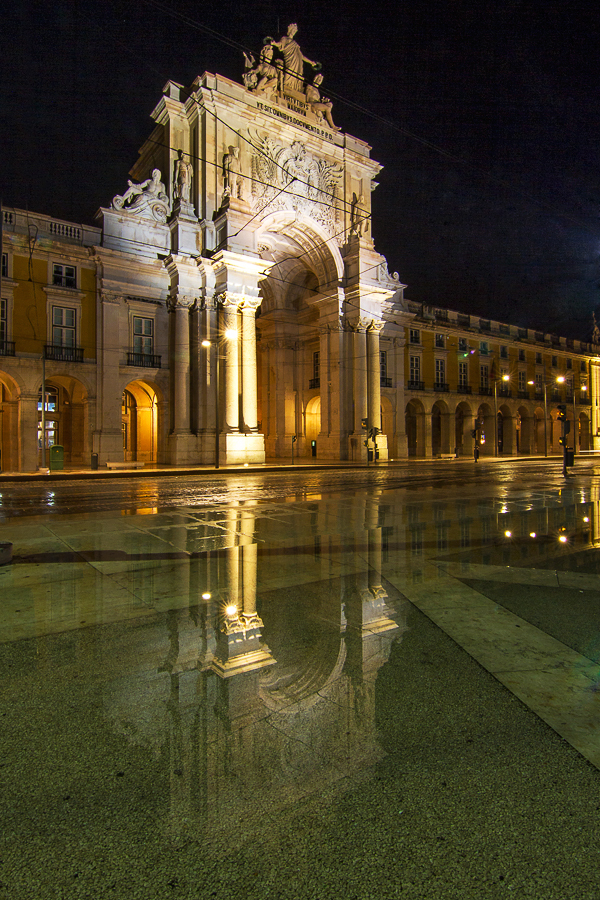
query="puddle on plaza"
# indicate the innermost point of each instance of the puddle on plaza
(237, 656)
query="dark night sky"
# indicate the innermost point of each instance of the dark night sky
(485, 118)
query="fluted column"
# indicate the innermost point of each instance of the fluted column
(232, 379)
(249, 374)
(374, 379)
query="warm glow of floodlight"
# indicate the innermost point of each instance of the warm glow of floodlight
(231, 610)
(206, 343)
(231, 334)
(584, 387)
(563, 538)
(508, 534)
(531, 382)
(246, 465)
(560, 379)
(586, 518)
(206, 596)
(532, 534)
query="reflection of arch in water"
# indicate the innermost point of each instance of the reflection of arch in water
(139, 422)
(440, 428)
(415, 428)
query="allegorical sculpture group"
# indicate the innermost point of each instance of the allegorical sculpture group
(281, 68)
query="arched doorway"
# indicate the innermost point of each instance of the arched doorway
(524, 431)
(313, 425)
(485, 429)
(440, 430)
(9, 424)
(139, 422)
(65, 420)
(415, 428)
(507, 438)
(463, 428)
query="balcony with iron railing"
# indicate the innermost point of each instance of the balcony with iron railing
(143, 360)
(504, 391)
(523, 395)
(485, 390)
(314, 383)
(7, 348)
(463, 389)
(415, 386)
(441, 386)
(63, 354)
(385, 382)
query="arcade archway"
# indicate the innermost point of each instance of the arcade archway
(139, 422)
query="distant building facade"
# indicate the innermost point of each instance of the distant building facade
(232, 300)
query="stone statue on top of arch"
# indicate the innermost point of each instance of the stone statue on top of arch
(286, 69)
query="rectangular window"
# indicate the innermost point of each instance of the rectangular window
(539, 383)
(484, 376)
(383, 363)
(522, 381)
(555, 362)
(317, 365)
(51, 400)
(582, 367)
(521, 355)
(64, 276)
(440, 371)
(143, 335)
(439, 341)
(463, 374)
(5, 265)
(3, 322)
(538, 358)
(415, 368)
(569, 362)
(462, 345)
(569, 387)
(484, 347)
(51, 434)
(63, 326)
(415, 336)
(503, 352)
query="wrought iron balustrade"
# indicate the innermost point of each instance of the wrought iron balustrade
(523, 395)
(505, 392)
(415, 386)
(7, 348)
(485, 390)
(143, 360)
(463, 389)
(386, 382)
(63, 354)
(314, 383)
(441, 386)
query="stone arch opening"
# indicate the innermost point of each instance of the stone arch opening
(312, 426)
(67, 421)
(463, 428)
(485, 429)
(440, 428)
(139, 422)
(415, 428)
(9, 424)
(525, 431)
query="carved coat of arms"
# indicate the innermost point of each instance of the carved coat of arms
(289, 177)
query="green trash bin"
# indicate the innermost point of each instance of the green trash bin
(57, 457)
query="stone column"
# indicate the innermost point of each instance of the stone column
(374, 373)
(249, 374)
(28, 432)
(180, 364)
(230, 345)
(359, 376)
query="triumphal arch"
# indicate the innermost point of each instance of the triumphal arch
(243, 244)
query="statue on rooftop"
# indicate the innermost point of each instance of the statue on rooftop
(293, 61)
(148, 199)
(261, 78)
(595, 330)
(358, 215)
(322, 106)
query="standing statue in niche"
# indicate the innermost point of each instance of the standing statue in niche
(232, 182)
(148, 199)
(358, 215)
(293, 61)
(261, 78)
(320, 105)
(183, 178)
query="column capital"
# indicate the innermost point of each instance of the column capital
(235, 300)
(182, 301)
(110, 297)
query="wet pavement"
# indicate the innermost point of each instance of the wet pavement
(344, 683)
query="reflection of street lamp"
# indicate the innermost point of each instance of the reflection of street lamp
(496, 380)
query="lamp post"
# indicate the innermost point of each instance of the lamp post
(496, 380)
